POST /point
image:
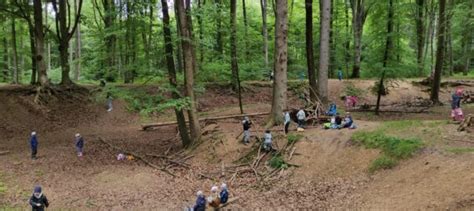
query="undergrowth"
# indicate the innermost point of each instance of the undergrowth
(278, 162)
(460, 150)
(393, 149)
(293, 138)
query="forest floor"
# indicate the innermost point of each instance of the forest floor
(332, 171)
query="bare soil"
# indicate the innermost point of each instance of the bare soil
(332, 172)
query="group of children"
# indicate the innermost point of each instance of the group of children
(214, 200)
(78, 143)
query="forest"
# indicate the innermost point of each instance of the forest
(184, 76)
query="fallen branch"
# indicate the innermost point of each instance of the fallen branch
(137, 156)
(4, 152)
(291, 154)
(468, 121)
(160, 124)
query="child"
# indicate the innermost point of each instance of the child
(38, 201)
(267, 141)
(246, 124)
(109, 102)
(339, 74)
(287, 121)
(332, 110)
(348, 122)
(301, 116)
(224, 194)
(213, 199)
(33, 145)
(79, 144)
(350, 101)
(456, 112)
(200, 202)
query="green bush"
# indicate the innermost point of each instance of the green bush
(393, 148)
(294, 138)
(383, 162)
(277, 162)
(351, 90)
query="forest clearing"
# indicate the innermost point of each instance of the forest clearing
(236, 104)
(332, 169)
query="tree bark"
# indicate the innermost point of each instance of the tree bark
(77, 56)
(219, 37)
(439, 53)
(14, 53)
(309, 51)
(468, 42)
(31, 31)
(233, 52)
(201, 31)
(110, 38)
(325, 14)
(183, 130)
(263, 4)
(420, 32)
(347, 43)
(188, 53)
(39, 38)
(5, 59)
(281, 63)
(386, 55)
(244, 12)
(359, 14)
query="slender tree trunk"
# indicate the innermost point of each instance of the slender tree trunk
(263, 4)
(420, 31)
(331, 43)
(5, 58)
(309, 51)
(281, 62)
(439, 53)
(244, 12)
(233, 52)
(468, 42)
(64, 44)
(110, 37)
(325, 14)
(33, 54)
(77, 56)
(386, 55)
(39, 38)
(188, 53)
(201, 31)
(448, 39)
(179, 52)
(347, 43)
(359, 14)
(14, 53)
(183, 131)
(219, 37)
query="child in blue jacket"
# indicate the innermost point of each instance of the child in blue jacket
(33, 145)
(79, 144)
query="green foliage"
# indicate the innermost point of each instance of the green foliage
(294, 138)
(393, 148)
(278, 162)
(383, 162)
(460, 150)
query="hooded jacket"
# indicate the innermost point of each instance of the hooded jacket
(224, 196)
(33, 142)
(79, 142)
(42, 200)
(200, 204)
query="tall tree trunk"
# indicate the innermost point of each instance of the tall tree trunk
(263, 4)
(179, 52)
(420, 32)
(332, 49)
(347, 43)
(219, 37)
(448, 39)
(64, 44)
(467, 37)
(359, 14)
(14, 53)
(233, 52)
(110, 37)
(34, 73)
(201, 31)
(5, 58)
(386, 55)
(77, 56)
(244, 12)
(309, 51)
(183, 131)
(188, 53)
(281, 62)
(439, 53)
(39, 38)
(325, 17)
